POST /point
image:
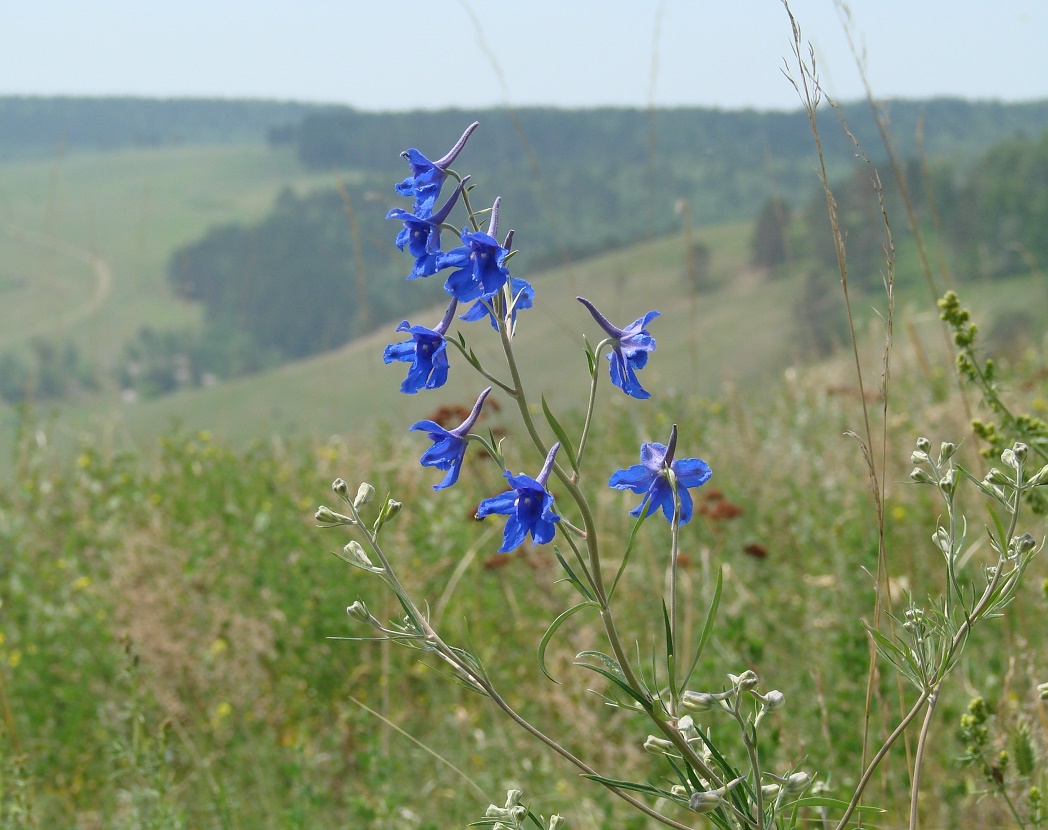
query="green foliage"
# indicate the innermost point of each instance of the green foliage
(771, 234)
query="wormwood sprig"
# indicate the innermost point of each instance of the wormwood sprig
(981, 372)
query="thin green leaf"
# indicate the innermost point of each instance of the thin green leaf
(626, 556)
(562, 436)
(544, 642)
(613, 673)
(573, 579)
(669, 630)
(707, 627)
(647, 789)
(836, 803)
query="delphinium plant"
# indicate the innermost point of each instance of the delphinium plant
(706, 731)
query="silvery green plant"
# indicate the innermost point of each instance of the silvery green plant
(689, 723)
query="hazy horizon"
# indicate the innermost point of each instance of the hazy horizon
(378, 56)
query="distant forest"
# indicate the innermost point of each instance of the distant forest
(321, 268)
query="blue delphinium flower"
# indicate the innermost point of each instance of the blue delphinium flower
(629, 349)
(528, 505)
(481, 272)
(651, 477)
(426, 351)
(427, 177)
(523, 297)
(449, 445)
(421, 235)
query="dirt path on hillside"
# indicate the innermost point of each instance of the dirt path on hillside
(100, 268)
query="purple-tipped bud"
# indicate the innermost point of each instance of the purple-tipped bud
(463, 429)
(602, 321)
(547, 466)
(445, 161)
(442, 214)
(493, 224)
(671, 448)
(449, 315)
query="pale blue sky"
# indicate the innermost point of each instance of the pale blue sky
(403, 54)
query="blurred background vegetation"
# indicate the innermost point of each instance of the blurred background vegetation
(194, 298)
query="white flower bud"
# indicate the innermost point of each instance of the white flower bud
(341, 488)
(365, 493)
(770, 790)
(359, 611)
(923, 444)
(946, 451)
(745, 681)
(704, 802)
(1042, 691)
(919, 457)
(1039, 478)
(326, 516)
(698, 701)
(797, 783)
(774, 700)
(921, 476)
(658, 746)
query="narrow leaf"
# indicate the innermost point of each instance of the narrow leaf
(562, 436)
(553, 629)
(707, 627)
(626, 556)
(647, 789)
(572, 578)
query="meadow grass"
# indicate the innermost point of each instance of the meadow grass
(165, 652)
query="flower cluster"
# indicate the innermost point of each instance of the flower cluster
(478, 274)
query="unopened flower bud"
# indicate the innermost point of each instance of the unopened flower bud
(948, 483)
(919, 457)
(686, 726)
(1020, 451)
(698, 701)
(996, 476)
(365, 493)
(355, 555)
(946, 451)
(705, 802)
(1010, 459)
(679, 790)
(340, 487)
(1042, 691)
(921, 476)
(923, 444)
(1023, 544)
(774, 700)
(770, 790)
(745, 681)
(555, 822)
(1039, 478)
(797, 783)
(359, 611)
(942, 540)
(326, 516)
(658, 746)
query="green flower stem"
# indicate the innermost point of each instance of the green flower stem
(749, 738)
(480, 681)
(590, 403)
(596, 577)
(509, 390)
(674, 548)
